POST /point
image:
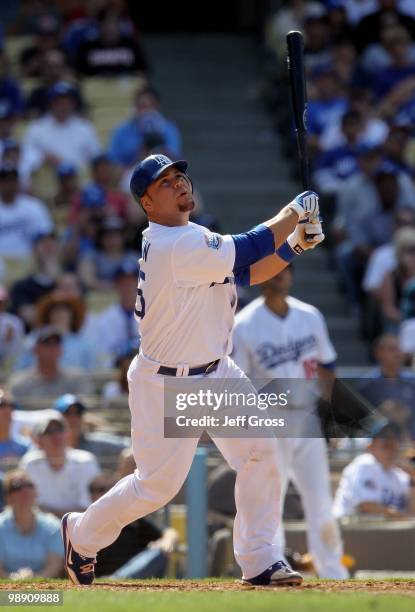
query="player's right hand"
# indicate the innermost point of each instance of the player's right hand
(306, 205)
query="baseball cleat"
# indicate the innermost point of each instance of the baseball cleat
(279, 574)
(80, 569)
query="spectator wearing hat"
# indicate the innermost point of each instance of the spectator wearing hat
(30, 540)
(61, 135)
(12, 155)
(148, 131)
(373, 483)
(21, 215)
(12, 445)
(80, 237)
(115, 330)
(111, 53)
(104, 177)
(68, 192)
(98, 268)
(105, 446)
(47, 31)
(47, 379)
(55, 69)
(67, 313)
(26, 292)
(61, 474)
(389, 380)
(11, 331)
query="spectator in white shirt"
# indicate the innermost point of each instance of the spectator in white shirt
(22, 217)
(372, 483)
(115, 330)
(62, 135)
(61, 474)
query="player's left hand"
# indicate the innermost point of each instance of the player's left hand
(306, 236)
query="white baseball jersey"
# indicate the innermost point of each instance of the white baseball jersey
(366, 480)
(186, 295)
(269, 346)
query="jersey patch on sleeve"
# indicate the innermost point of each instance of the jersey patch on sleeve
(213, 241)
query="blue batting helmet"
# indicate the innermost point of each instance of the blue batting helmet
(149, 170)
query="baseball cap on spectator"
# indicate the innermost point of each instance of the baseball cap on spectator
(10, 144)
(367, 148)
(44, 234)
(127, 268)
(323, 70)
(387, 429)
(46, 333)
(66, 401)
(66, 169)
(8, 169)
(93, 196)
(100, 158)
(42, 427)
(112, 224)
(62, 88)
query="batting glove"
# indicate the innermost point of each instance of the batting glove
(306, 205)
(306, 236)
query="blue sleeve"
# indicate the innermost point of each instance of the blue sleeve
(329, 366)
(243, 277)
(252, 246)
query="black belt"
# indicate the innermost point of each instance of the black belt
(206, 368)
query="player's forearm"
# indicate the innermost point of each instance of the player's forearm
(265, 269)
(282, 225)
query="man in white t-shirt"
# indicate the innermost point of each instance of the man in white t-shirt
(22, 217)
(373, 483)
(61, 474)
(61, 135)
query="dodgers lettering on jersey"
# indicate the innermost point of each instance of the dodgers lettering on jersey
(186, 297)
(366, 480)
(269, 346)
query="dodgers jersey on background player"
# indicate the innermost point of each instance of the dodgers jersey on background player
(191, 282)
(281, 347)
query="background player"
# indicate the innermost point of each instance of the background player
(278, 336)
(186, 303)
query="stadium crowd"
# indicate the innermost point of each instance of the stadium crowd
(70, 239)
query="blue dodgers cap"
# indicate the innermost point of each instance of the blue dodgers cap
(64, 402)
(62, 88)
(128, 267)
(149, 170)
(387, 429)
(66, 169)
(6, 109)
(93, 196)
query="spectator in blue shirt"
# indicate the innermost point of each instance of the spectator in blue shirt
(11, 446)
(30, 540)
(147, 132)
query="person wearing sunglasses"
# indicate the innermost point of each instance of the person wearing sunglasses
(11, 445)
(30, 543)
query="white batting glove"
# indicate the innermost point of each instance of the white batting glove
(306, 236)
(306, 205)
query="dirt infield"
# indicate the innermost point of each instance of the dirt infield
(401, 587)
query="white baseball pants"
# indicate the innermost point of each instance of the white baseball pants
(162, 466)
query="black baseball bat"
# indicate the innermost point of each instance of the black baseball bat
(296, 71)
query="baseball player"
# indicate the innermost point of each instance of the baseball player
(278, 337)
(186, 301)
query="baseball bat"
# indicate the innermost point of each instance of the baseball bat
(296, 71)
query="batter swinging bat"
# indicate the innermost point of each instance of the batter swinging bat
(295, 60)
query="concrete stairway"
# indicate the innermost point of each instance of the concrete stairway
(208, 86)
